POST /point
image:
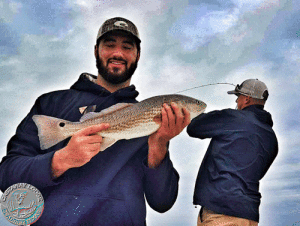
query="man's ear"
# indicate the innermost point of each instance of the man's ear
(248, 100)
(96, 51)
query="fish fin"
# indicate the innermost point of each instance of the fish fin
(89, 109)
(81, 109)
(109, 110)
(50, 130)
(106, 143)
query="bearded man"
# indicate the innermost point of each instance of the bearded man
(80, 185)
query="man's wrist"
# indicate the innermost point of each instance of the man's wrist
(58, 166)
(157, 152)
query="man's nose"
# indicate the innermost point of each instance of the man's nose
(118, 52)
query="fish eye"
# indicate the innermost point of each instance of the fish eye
(62, 124)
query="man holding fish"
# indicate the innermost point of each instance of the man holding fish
(64, 158)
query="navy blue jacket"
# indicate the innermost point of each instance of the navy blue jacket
(242, 148)
(108, 190)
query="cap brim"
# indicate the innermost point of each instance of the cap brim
(120, 31)
(233, 92)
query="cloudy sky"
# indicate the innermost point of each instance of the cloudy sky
(45, 45)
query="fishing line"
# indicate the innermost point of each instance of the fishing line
(218, 83)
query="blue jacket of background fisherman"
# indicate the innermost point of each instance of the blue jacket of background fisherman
(242, 148)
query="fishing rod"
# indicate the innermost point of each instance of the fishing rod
(218, 83)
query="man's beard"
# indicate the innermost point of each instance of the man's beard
(115, 78)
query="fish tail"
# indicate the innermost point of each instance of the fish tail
(51, 130)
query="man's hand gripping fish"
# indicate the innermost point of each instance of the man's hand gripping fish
(127, 120)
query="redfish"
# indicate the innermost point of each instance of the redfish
(127, 120)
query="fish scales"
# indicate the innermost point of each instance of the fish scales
(131, 121)
(126, 120)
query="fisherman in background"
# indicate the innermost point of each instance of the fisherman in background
(80, 185)
(242, 148)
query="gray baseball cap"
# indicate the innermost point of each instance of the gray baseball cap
(118, 23)
(252, 88)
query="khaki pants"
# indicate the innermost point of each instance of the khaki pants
(210, 218)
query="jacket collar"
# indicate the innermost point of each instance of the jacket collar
(261, 114)
(86, 83)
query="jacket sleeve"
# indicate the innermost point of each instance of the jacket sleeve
(25, 162)
(161, 185)
(207, 125)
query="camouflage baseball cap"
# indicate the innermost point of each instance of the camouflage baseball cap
(252, 88)
(118, 23)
